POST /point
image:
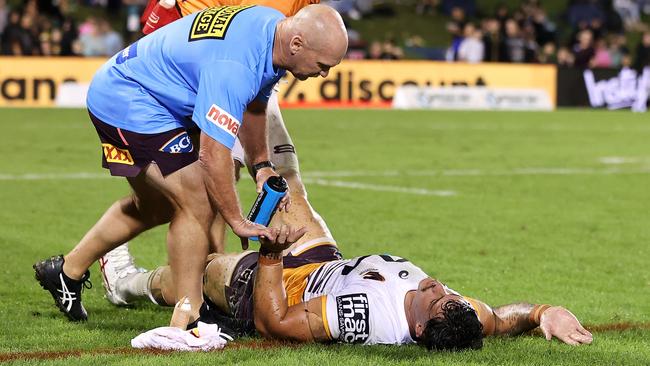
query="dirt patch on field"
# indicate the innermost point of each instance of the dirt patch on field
(616, 327)
(254, 344)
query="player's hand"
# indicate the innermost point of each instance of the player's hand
(561, 323)
(283, 237)
(261, 177)
(245, 229)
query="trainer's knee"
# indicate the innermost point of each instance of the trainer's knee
(154, 212)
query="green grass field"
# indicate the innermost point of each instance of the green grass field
(504, 207)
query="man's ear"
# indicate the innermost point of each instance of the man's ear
(296, 44)
(419, 329)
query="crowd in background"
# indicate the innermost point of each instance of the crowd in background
(597, 36)
(41, 28)
(593, 32)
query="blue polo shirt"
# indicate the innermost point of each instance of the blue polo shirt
(203, 70)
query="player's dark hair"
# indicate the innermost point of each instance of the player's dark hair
(458, 328)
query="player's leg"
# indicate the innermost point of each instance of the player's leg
(187, 238)
(158, 285)
(64, 277)
(125, 219)
(284, 157)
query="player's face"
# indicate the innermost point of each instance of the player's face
(430, 297)
(313, 64)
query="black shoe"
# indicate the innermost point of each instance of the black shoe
(65, 291)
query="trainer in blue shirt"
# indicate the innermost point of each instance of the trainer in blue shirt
(199, 73)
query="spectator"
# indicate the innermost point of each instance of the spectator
(68, 37)
(502, 14)
(4, 15)
(530, 45)
(545, 30)
(513, 43)
(602, 57)
(643, 52)
(617, 49)
(374, 51)
(91, 41)
(112, 41)
(583, 51)
(565, 57)
(491, 39)
(548, 54)
(391, 51)
(455, 28)
(27, 43)
(471, 48)
(11, 32)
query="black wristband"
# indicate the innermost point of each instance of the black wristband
(267, 253)
(260, 165)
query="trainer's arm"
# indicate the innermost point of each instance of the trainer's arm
(514, 319)
(253, 133)
(216, 161)
(219, 178)
(274, 318)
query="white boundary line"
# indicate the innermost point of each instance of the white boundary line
(475, 172)
(314, 176)
(376, 187)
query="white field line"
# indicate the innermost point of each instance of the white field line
(307, 180)
(54, 176)
(475, 172)
(558, 128)
(618, 160)
(376, 187)
(314, 175)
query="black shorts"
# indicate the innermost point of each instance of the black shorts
(240, 291)
(126, 153)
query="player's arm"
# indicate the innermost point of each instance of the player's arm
(514, 319)
(274, 318)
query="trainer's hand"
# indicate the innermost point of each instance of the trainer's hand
(261, 177)
(282, 238)
(245, 229)
(561, 323)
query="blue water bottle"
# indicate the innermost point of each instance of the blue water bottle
(267, 201)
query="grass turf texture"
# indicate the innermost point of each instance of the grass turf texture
(575, 236)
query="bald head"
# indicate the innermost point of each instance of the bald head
(311, 42)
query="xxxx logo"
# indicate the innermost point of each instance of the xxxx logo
(116, 155)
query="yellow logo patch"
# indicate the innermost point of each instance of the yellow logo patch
(116, 155)
(212, 23)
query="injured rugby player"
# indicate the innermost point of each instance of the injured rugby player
(306, 291)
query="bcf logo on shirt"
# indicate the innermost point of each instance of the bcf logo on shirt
(180, 143)
(223, 120)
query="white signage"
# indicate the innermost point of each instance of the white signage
(471, 98)
(627, 90)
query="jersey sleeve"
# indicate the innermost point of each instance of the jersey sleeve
(265, 93)
(224, 91)
(347, 317)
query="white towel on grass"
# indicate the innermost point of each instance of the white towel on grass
(205, 337)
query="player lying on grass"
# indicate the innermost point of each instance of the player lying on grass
(305, 291)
